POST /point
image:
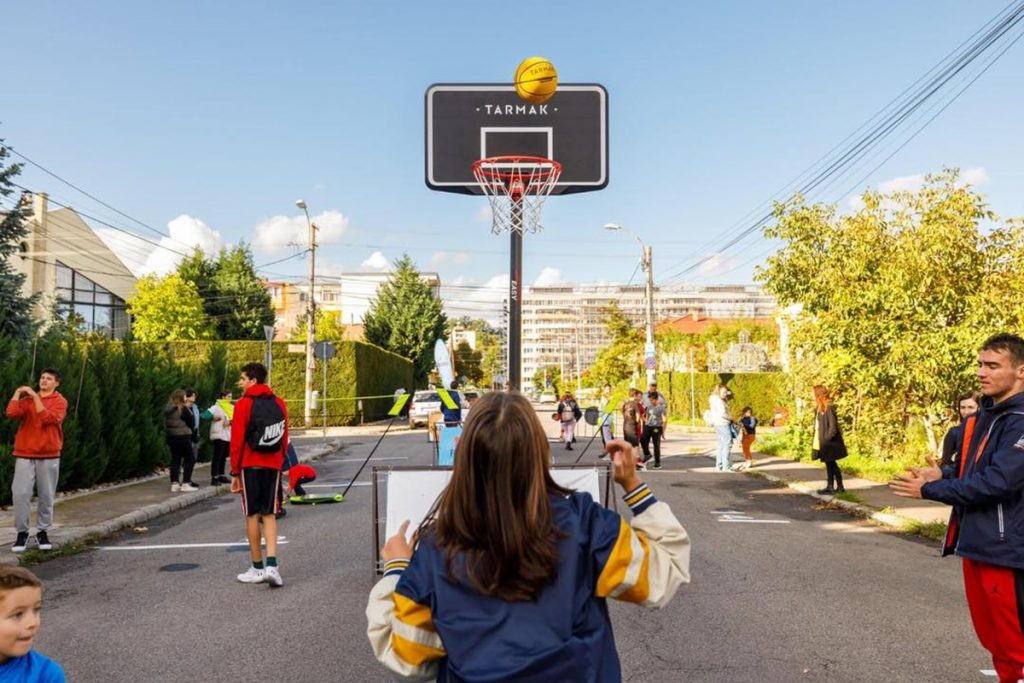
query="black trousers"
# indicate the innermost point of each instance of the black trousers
(183, 458)
(221, 449)
(835, 475)
(651, 433)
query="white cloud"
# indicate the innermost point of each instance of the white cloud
(717, 264)
(907, 183)
(466, 296)
(975, 176)
(483, 215)
(549, 276)
(855, 203)
(144, 258)
(376, 261)
(455, 258)
(280, 234)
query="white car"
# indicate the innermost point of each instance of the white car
(424, 404)
(548, 397)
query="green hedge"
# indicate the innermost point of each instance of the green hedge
(762, 391)
(116, 393)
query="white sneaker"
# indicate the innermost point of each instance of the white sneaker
(186, 487)
(175, 487)
(272, 576)
(253, 575)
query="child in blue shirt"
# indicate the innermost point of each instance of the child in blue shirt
(21, 599)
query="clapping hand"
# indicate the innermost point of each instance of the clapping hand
(909, 483)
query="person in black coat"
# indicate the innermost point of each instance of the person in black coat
(827, 444)
(967, 405)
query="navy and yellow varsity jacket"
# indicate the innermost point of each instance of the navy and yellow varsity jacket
(425, 626)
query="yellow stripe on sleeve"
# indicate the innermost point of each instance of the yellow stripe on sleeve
(414, 653)
(412, 613)
(614, 571)
(641, 589)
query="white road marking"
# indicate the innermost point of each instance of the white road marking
(281, 540)
(737, 517)
(402, 457)
(989, 672)
(336, 486)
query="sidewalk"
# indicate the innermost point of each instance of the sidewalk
(101, 512)
(870, 499)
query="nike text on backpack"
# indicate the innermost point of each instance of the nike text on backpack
(266, 425)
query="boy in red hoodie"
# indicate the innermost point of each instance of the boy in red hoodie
(259, 441)
(36, 451)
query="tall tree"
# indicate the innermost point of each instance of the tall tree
(168, 309)
(405, 317)
(15, 309)
(234, 296)
(243, 298)
(891, 302)
(621, 357)
(468, 363)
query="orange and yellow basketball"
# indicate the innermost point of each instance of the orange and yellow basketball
(536, 80)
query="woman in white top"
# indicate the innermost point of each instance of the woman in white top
(721, 420)
(220, 435)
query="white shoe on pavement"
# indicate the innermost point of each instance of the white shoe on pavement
(186, 487)
(175, 487)
(272, 576)
(252, 575)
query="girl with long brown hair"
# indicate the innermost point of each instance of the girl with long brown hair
(511, 572)
(827, 443)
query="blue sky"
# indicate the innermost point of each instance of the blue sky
(212, 118)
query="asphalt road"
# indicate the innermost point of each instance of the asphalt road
(782, 591)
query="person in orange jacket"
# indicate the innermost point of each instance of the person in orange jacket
(36, 451)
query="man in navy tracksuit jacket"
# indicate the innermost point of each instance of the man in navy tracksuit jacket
(986, 490)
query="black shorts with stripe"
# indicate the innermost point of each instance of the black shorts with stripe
(259, 491)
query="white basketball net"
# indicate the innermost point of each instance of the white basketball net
(516, 188)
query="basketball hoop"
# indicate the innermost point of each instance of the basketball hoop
(516, 187)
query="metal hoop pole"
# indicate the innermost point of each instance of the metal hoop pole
(515, 297)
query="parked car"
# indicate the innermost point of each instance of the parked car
(548, 397)
(424, 404)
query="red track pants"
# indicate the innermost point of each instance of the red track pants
(995, 597)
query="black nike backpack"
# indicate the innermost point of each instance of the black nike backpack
(266, 425)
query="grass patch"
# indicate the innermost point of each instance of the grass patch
(936, 531)
(36, 556)
(849, 497)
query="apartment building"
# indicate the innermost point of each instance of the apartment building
(348, 297)
(563, 325)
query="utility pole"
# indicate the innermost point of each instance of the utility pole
(310, 317)
(693, 396)
(579, 384)
(649, 346)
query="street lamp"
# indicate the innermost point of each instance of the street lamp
(310, 316)
(645, 261)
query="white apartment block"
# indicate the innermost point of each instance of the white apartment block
(561, 322)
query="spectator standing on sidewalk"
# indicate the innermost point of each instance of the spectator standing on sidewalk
(720, 418)
(220, 436)
(986, 490)
(827, 443)
(36, 451)
(190, 402)
(178, 427)
(967, 405)
(479, 598)
(259, 442)
(452, 416)
(655, 427)
(569, 413)
(748, 424)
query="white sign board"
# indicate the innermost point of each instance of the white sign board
(411, 493)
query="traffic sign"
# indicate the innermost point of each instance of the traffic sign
(324, 350)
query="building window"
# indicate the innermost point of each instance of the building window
(90, 306)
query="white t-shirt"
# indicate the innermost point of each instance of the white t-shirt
(719, 410)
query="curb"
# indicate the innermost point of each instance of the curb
(155, 510)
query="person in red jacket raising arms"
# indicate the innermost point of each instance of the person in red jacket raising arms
(259, 441)
(36, 451)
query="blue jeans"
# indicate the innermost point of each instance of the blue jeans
(724, 446)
